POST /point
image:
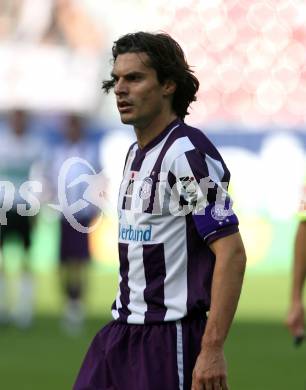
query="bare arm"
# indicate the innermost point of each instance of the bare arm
(295, 319)
(210, 368)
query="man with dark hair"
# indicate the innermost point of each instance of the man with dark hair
(180, 251)
(167, 58)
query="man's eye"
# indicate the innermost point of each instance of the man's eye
(134, 78)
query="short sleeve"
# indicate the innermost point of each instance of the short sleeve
(199, 186)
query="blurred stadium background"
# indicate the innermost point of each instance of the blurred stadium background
(250, 59)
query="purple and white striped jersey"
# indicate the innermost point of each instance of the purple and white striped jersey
(173, 203)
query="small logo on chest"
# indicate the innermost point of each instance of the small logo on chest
(146, 188)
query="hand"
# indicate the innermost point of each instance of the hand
(210, 372)
(295, 319)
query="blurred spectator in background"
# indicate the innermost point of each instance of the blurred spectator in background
(25, 20)
(295, 318)
(19, 151)
(51, 55)
(71, 25)
(71, 167)
(59, 22)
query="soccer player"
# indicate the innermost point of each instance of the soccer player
(180, 251)
(74, 244)
(295, 318)
(20, 152)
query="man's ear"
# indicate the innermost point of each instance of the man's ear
(169, 87)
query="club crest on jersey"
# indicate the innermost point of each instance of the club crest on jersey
(146, 188)
(219, 213)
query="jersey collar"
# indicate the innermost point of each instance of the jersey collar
(160, 136)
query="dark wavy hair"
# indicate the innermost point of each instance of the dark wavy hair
(168, 59)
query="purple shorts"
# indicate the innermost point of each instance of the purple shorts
(142, 357)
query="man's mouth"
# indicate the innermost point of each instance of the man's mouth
(124, 106)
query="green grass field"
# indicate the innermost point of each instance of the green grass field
(259, 350)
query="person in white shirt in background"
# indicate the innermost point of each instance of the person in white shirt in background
(20, 150)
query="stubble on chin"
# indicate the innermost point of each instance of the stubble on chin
(127, 121)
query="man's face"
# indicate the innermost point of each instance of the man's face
(140, 97)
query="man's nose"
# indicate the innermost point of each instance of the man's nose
(120, 87)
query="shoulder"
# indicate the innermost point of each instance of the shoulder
(200, 141)
(188, 139)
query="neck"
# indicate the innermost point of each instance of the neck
(145, 134)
